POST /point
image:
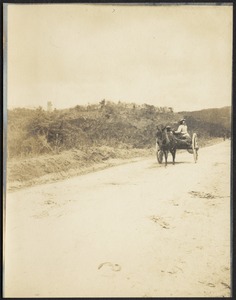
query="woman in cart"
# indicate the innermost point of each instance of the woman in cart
(182, 131)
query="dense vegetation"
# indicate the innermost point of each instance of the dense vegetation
(35, 131)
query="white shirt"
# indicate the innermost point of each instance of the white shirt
(183, 129)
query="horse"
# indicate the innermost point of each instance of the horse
(167, 143)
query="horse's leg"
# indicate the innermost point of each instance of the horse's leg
(173, 152)
(166, 156)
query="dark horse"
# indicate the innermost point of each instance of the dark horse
(166, 142)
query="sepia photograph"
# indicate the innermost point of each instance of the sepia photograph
(117, 150)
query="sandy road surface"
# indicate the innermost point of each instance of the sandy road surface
(139, 230)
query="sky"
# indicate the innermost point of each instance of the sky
(178, 56)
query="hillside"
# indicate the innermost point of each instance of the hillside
(213, 115)
(73, 140)
(214, 119)
(35, 132)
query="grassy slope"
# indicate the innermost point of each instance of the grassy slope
(50, 168)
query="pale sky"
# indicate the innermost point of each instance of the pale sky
(75, 54)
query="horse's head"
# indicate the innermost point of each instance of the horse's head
(162, 136)
(166, 139)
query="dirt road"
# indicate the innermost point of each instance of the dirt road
(135, 230)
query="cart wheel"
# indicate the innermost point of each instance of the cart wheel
(160, 156)
(195, 147)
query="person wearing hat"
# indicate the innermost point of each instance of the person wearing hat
(183, 130)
